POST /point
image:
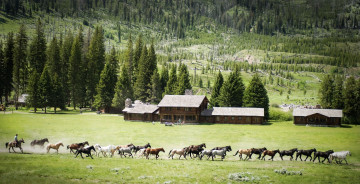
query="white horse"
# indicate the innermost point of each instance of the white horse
(127, 150)
(205, 152)
(104, 150)
(339, 156)
(221, 152)
(181, 152)
(142, 152)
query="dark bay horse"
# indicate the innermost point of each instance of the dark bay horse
(195, 149)
(14, 145)
(39, 142)
(325, 155)
(270, 153)
(288, 153)
(305, 152)
(76, 146)
(86, 150)
(153, 151)
(257, 151)
(138, 148)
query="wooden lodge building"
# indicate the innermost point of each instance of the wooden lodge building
(191, 109)
(326, 117)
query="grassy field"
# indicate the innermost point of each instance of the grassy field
(38, 167)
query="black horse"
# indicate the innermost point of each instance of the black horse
(86, 150)
(39, 142)
(325, 155)
(288, 153)
(138, 148)
(195, 149)
(305, 152)
(257, 151)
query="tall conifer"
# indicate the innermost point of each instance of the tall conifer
(214, 102)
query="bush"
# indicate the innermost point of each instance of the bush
(280, 115)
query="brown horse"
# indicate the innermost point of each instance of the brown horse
(39, 142)
(117, 148)
(54, 146)
(181, 152)
(14, 145)
(246, 152)
(195, 149)
(153, 151)
(270, 153)
(76, 146)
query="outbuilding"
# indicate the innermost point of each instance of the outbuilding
(326, 117)
(233, 115)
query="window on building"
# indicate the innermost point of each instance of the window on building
(225, 118)
(232, 118)
(167, 117)
(217, 118)
(239, 118)
(179, 108)
(187, 109)
(190, 118)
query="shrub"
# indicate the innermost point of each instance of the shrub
(280, 115)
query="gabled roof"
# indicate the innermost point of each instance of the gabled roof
(333, 113)
(233, 111)
(182, 101)
(141, 109)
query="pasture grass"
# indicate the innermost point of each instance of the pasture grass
(38, 167)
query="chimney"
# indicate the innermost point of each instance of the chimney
(128, 103)
(188, 92)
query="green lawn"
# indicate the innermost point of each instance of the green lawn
(38, 167)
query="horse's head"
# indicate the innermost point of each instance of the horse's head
(131, 144)
(68, 146)
(277, 151)
(330, 151)
(22, 140)
(46, 140)
(61, 144)
(264, 148)
(349, 153)
(228, 148)
(91, 148)
(295, 150)
(86, 143)
(204, 145)
(313, 150)
(162, 149)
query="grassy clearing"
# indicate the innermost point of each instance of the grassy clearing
(37, 166)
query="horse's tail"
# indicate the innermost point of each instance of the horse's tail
(236, 152)
(6, 144)
(170, 152)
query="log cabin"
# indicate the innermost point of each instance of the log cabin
(233, 115)
(325, 117)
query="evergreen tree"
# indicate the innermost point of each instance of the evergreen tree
(357, 100)
(338, 100)
(45, 88)
(37, 52)
(156, 91)
(183, 80)
(137, 54)
(326, 92)
(2, 82)
(164, 77)
(75, 72)
(172, 82)
(349, 100)
(123, 89)
(129, 60)
(142, 85)
(34, 98)
(255, 95)
(20, 72)
(231, 94)
(58, 99)
(8, 65)
(53, 57)
(214, 102)
(65, 63)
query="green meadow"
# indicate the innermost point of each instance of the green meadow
(35, 166)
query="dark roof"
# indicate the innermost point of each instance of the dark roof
(233, 111)
(182, 101)
(325, 112)
(141, 109)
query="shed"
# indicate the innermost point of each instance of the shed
(233, 115)
(327, 117)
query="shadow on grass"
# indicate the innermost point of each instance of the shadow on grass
(345, 126)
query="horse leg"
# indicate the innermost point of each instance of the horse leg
(21, 150)
(346, 161)
(13, 149)
(259, 156)
(91, 156)
(281, 156)
(81, 155)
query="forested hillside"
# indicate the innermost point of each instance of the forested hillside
(291, 44)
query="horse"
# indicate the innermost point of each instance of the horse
(76, 146)
(221, 152)
(104, 150)
(128, 150)
(205, 152)
(257, 151)
(288, 153)
(339, 156)
(138, 148)
(39, 142)
(325, 155)
(246, 152)
(86, 150)
(153, 151)
(195, 149)
(54, 146)
(181, 152)
(142, 152)
(13, 145)
(270, 153)
(121, 146)
(305, 152)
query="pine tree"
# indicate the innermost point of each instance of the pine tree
(231, 94)
(45, 88)
(142, 85)
(214, 102)
(338, 100)
(75, 72)
(8, 65)
(53, 57)
(357, 100)
(129, 60)
(20, 72)
(183, 80)
(164, 77)
(58, 99)
(326, 92)
(137, 54)
(255, 95)
(172, 82)
(37, 52)
(156, 91)
(34, 98)
(2, 77)
(123, 89)
(65, 64)
(349, 100)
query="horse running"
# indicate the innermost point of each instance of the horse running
(305, 152)
(195, 149)
(86, 150)
(205, 152)
(153, 151)
(127, 150)
(257, 151)
(39, 142)
(117, 148)
(221, 152)
(270, 153)
(54, 146)
(339, 156)
(76, 146)
(325, 155)
(288, 153)
(246, 152)
(138, 148)
(104, 150)
(181, 152)
(14, 145)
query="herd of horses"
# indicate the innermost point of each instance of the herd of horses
(194, 151)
